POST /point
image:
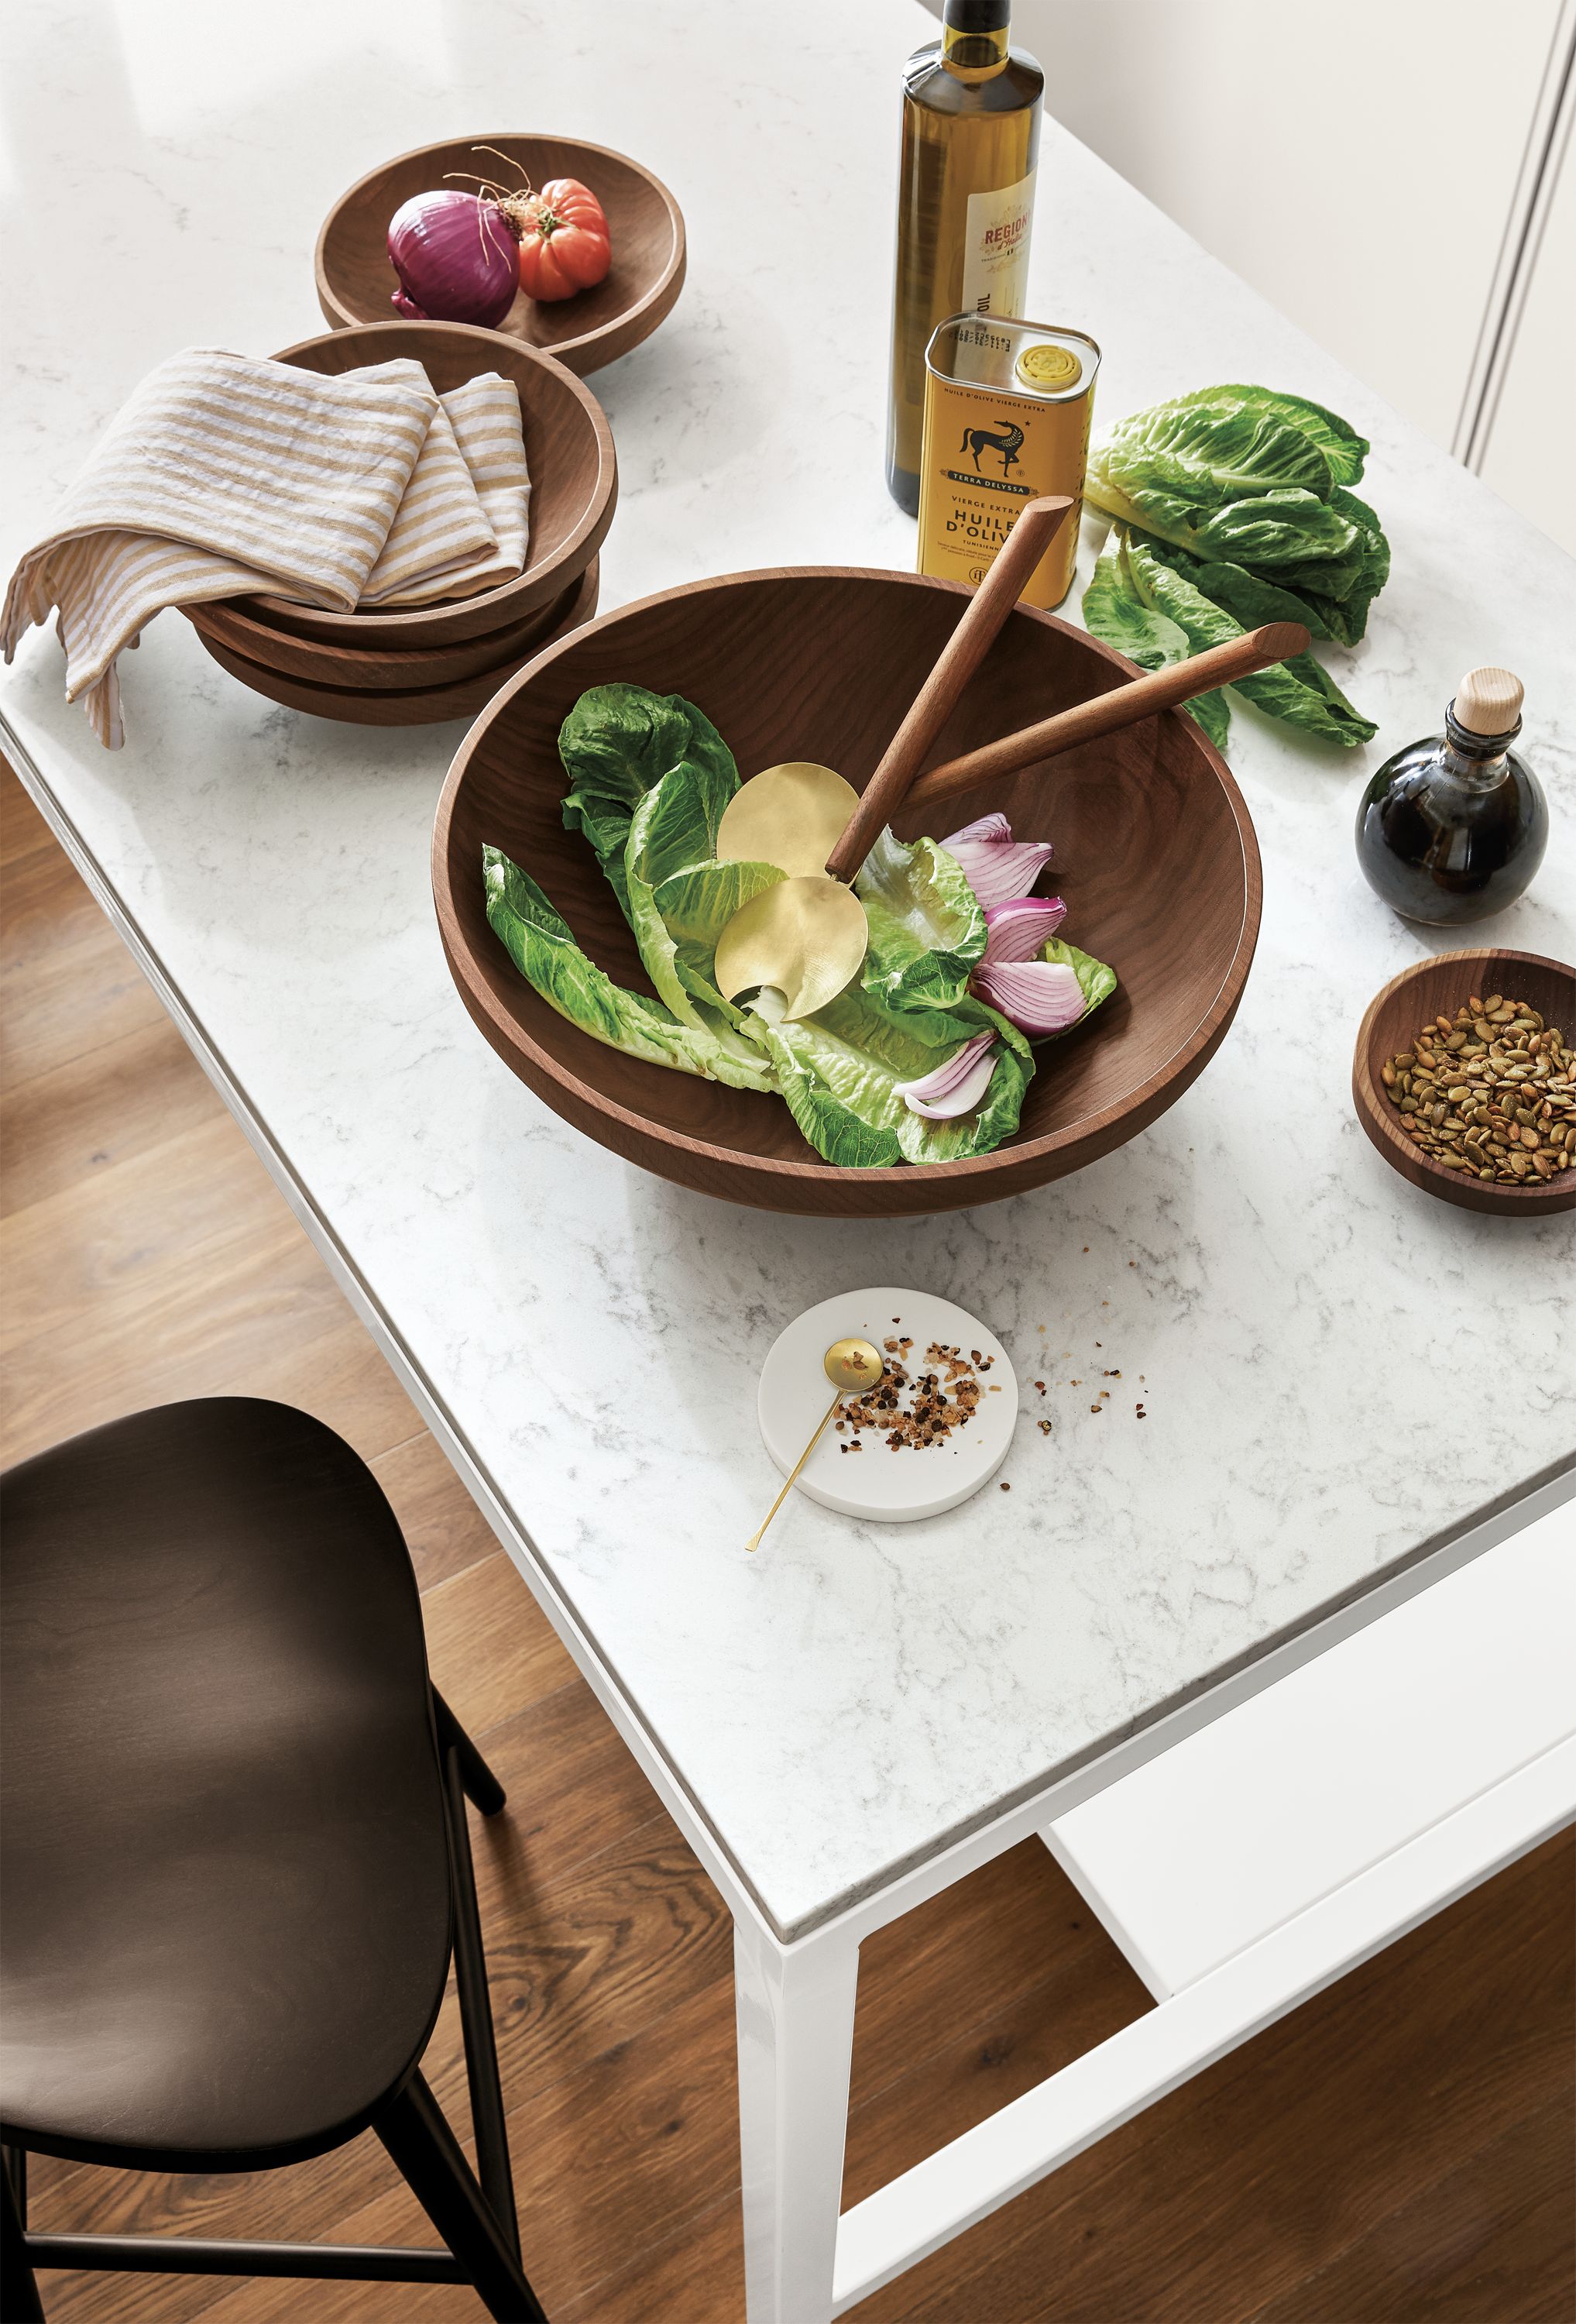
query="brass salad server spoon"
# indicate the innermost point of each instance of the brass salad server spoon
(805, 936)
(849, 1365)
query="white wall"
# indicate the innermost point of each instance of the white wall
(1356, 163)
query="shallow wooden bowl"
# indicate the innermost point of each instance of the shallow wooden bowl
(1154, 854)
(574, 482)
(384, 666)
(417, 705)
(356, 282)
(1437, 988)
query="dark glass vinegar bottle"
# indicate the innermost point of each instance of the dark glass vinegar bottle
(1454, 828)
(965, 203)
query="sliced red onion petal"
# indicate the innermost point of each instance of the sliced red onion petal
(956, 1087)
(1039, 996)
(1000, 871)
(998, 868)
(993, 827)
(1017, 930)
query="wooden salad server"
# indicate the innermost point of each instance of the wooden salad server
(1106, 714)
(805, 936)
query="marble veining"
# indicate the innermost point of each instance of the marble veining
(1307, 1329)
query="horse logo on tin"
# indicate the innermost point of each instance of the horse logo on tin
(1007, 441)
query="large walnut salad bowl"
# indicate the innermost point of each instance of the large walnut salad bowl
(1155, 855)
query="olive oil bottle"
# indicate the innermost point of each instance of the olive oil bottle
(965, 202)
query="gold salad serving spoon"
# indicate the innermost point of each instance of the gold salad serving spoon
(849, 1365)
(806, 935)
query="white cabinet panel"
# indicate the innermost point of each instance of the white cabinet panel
(1356, 165)
(1531, 455)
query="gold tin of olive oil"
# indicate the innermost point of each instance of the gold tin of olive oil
(1006, 410)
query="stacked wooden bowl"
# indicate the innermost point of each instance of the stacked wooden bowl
(386, 667)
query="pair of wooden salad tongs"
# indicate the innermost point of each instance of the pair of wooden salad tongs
(805, 936)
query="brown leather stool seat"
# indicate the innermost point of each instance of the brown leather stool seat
(227, 1911)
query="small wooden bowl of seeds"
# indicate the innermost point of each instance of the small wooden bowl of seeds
(1464, 1080)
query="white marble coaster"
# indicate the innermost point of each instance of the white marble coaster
(876, 1481)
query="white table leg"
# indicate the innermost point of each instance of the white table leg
(795, 2039)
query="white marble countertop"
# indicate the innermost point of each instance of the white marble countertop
(1336, 1369)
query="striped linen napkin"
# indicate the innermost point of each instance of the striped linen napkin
(485, 414)
(226, 478)
(462, 524)
(220, 477)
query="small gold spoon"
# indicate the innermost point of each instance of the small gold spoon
(849, 1364)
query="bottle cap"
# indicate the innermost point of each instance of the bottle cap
(1487, 702)
(1047, 365)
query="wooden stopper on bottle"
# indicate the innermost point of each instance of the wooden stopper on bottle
(1487, 701)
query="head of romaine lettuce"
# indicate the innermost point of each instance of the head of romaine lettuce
(1233, 508)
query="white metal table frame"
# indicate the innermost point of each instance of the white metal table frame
(805, 2260)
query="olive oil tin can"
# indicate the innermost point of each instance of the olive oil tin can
(1006, 412)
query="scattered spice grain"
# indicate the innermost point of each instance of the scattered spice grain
(930, 1414)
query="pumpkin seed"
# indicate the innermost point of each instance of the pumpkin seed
(1491, 1092)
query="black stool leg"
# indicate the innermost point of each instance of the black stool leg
(19, 2300)
(15, 2159)
(470, 1962)
(424, 2147)
(482, 1788)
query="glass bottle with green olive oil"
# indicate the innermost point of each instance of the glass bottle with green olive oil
(965, 202)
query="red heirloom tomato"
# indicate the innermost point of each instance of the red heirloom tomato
(564, 244)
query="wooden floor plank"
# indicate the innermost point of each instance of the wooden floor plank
(108, 1240)
(92, 1111)
(573, 1789)
(445, 1531)
(1034, 1953)
(22, 828)
(82, 992)
(1397, 2150)
(277, 1328)
(45, 911)
(636, 1934)
(1485, 2241)
(492, 1649)
(1229, 2192)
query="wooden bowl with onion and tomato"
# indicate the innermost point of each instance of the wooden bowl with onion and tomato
(573, 472)
(1155, 855)
(551, 255)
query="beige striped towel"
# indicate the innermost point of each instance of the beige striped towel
(220, 477)
(485, 414)
(463, 523)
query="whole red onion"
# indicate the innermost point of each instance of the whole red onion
(457, 258)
